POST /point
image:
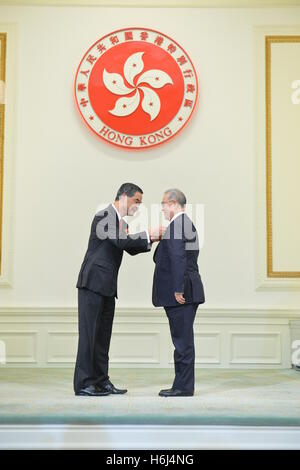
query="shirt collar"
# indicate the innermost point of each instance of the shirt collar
(176, 215)
(118, 213)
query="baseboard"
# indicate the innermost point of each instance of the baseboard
(149, 437)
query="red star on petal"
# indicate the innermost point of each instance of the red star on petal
(91, 118)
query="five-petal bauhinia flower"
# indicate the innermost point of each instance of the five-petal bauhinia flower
(134, 65)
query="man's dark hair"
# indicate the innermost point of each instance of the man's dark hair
(129, 189)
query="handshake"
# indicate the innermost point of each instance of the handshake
(157, 233)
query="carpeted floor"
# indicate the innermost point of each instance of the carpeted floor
(223, 397)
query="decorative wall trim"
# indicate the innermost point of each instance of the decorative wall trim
(263, 347)
(17, 343)
(266, 278)
(67, 314)
(158, 3)
(9, 113)
(224, 338)
(269, 40)
(2, 126)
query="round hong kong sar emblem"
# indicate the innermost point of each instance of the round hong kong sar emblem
(136, 88)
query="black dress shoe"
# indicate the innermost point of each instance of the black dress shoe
(111, 389)
(92, 391)
(175, 393)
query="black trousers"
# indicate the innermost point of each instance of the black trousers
(181, 321)
(95, 319)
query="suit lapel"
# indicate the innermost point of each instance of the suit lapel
(156, 252)
(114, 213)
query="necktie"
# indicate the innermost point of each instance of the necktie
(123, 226)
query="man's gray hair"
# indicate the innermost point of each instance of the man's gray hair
(177, 195)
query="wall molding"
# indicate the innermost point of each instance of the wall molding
(263, 281)
(150, 312)
(10, 29)
(158, 3)
(224, 337)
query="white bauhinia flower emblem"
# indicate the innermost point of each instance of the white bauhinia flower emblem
(134, 65)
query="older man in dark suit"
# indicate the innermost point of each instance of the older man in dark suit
(97, 288)
(177, 286)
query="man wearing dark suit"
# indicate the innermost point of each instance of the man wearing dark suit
(97, 288)
(177, 287)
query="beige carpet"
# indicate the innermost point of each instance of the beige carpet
(223, 396)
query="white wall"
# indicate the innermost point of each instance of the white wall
(62, 171)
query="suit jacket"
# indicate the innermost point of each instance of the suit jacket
(176, 268)
(107, 242)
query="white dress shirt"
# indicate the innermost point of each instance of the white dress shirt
(176, 215)
(119, 216)
(118, 213)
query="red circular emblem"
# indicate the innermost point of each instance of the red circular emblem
(136, 88)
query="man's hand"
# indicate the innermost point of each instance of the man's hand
(157, 233)
(179, 298)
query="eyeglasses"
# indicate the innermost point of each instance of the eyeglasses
(167, 202)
